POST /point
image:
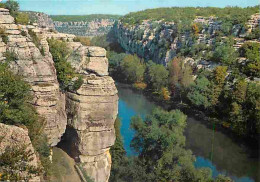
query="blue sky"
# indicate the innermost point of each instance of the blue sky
(80, 7)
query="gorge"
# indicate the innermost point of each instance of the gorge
(89, 112)
(191, 74)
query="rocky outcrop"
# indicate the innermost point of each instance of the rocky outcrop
(92, 111)
(13, 136)
(87, 114)
(161, 41)
(95, 27)
(38, 69)
(43, 20)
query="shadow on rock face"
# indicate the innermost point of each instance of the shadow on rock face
(69, 142)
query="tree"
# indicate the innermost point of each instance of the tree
(225, 54)
(60, 53)
(160, 143)
(200, 92)
(14, 98)
(157, 76)
(13, 7)
(174, 73)
(220, 73)
(22, 18)
(251, 50)
(15, 164)
(133, 68)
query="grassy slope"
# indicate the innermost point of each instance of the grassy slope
(63, 167)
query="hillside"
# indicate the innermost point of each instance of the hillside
(77, 18)
(85, 25)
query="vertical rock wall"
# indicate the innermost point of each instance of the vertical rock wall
(88, 113)
(39, 71)
(92, 111)
(13, 136)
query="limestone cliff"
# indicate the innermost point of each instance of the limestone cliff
(161, 41)
(87, 114)
(92, 111)
(38, 69)
(13, 136)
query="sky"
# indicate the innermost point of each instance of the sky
(120, 7)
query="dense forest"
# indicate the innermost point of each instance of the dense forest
(77, 18)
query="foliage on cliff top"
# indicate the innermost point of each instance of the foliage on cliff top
(234, 15)
(76, 18)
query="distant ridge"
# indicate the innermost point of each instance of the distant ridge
(76, 18)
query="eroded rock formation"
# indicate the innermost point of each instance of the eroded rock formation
(37, 69)
(15, 137)
(88, 113)
(92, 110)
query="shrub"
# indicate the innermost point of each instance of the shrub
(65, 72)
(83, 40)
(23, 33)
(15, 164)
(13, 7)
(78, 83)
(3, 35)
(35, 38)
(140, 85)
(22, 18)
(10, 56)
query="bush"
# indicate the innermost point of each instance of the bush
(10, 56)
(78, 83)
(140, 85)
(3, 35)
(83, 40)
(22, 18)
(13, 7)
(65, 72)
(133, 68)
(15, 164)
(35, 39)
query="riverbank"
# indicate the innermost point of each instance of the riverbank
(205, 118)
(212, 148)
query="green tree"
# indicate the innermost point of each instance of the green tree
(157, 76)
(14, 99)
(22, 18)
(200, 92)
(160, 143)
(225, 54)
(15, 164)
(251, 50)
(60, 53)
(13, 7)
(133, 68)
(220, 73)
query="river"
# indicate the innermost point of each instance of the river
(212, 149)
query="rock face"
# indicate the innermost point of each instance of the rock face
(92, 111)
(95, 27)
(39, 71)
(87, 114)
(13, 136)
(42, 19)
(160, 41)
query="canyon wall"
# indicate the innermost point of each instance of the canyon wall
(161, 41)
(91, 28)
(87, 114)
